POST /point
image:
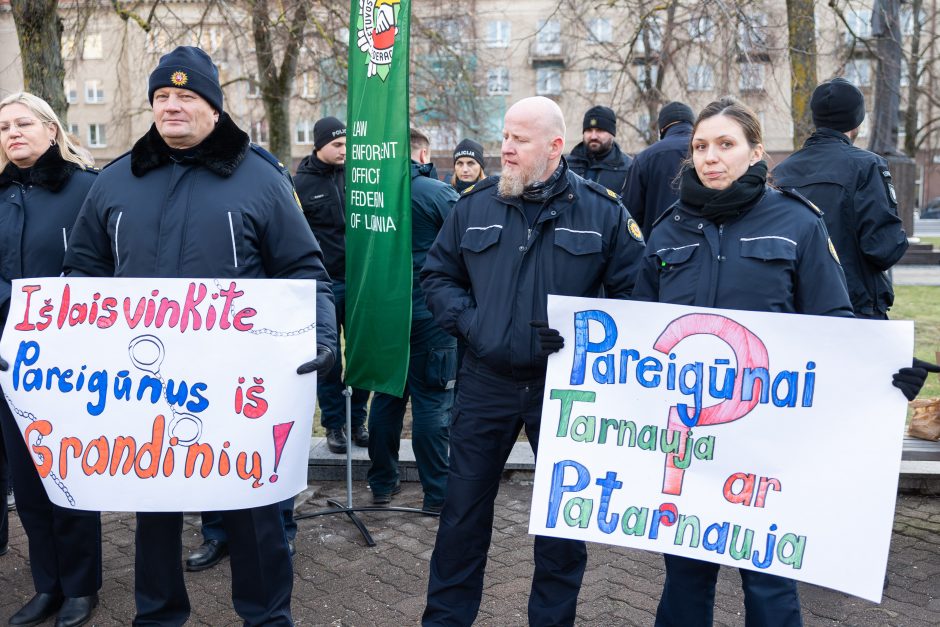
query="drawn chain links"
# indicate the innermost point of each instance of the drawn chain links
(272, 332)
(32, 418)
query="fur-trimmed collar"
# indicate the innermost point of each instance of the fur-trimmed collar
(220, 152)
(50, 171)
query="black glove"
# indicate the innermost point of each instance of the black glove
(550, 340)
(911, 380)
(322, 363)
(3, 364)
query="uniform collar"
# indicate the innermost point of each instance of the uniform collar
(827, 134)
(221, 152)
(50, 171)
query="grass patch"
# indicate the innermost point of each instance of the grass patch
(933, 241)
(922, 305)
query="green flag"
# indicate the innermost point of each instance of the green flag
(378, 197)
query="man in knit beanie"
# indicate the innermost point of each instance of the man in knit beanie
(853, 189)
(321, 186)
(598, 157)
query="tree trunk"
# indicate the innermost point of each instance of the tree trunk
(276, 84)
(801, 20)
(886, 26)
(39, 31)
(914, 68)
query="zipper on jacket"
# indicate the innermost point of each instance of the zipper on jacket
(231, 230)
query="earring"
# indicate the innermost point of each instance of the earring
(52, 141)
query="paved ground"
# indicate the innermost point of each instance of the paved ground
(339, 581)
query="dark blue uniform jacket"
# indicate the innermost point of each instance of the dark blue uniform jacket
(431, 202)
(321, 188)
(651, 185)
(775, 257)
(853, 189)
(229, 211)
(610, 171)
(488, 274)
(36, 219)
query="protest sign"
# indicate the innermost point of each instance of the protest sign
(163, 394)
(770, 442)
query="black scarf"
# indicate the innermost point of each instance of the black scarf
(50, 171)
(719, 205)
(540, 191)
(462, 185)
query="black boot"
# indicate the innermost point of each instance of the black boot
(38, 609)
(76, 611)
(360, 436)
(336, 440)
(208, 555)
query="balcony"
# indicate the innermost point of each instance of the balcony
(542, 53)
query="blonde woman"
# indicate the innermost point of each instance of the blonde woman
(43, 182)
(468, 165)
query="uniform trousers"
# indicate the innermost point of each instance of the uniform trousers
(64, 543)
(689, 596)
(489, 413)
(330, 387)
(262, 571)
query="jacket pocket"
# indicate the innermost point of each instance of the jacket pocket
(578, 242)
(679, 274)
(441, 368)
(476, 239)
(768, 248)
(769, 262)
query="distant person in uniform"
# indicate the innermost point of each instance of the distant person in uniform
(652, 184)
(598, 158)
(852, 187)
(468, 165)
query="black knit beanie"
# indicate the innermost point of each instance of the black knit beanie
(469, 148)
(190, 68)
(326, 130)
(839, 105)
(600, 117)
(674, 112)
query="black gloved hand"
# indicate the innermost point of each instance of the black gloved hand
(550, 340)
(322, 363)
(3, 364)
(911, 380)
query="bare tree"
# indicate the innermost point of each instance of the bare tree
(801, 27)
(39, 32)
(886, 27)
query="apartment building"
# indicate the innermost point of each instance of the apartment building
(471, 60)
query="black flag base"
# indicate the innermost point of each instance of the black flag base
(348, 509)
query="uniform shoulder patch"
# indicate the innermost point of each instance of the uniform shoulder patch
(634, 230)
(792, 193)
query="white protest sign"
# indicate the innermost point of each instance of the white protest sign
(163, 394)
(770, 442)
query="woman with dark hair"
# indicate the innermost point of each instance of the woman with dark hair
(468, 165)
(43, 182)
(732, 241)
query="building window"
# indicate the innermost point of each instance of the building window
(498, 34)
(752, 33)
(548, 81)
(650, 38)
(73, 129)
(93, 48)
(68, 46)
(96, 136)
(646, 73)
(858, 72)
(304, 132)
(209, 39)
(601, 31)
(752, 76)
(308, 85)
(497, 81)
(701, 78)
(859, 24)
(702, 29)
(94, 93)
(71, 92)
(157, 42)
(548, 37)
(597, 81)
(254, 88)
(258, 132)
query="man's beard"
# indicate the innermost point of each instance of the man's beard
(511, 185)
(602, 147)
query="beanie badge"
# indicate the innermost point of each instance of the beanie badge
(593, 122)
(179, 78)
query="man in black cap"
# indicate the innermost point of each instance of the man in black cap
(598, 157)
(194, 198)
(651, 185)
(321, 186)
(853, 189)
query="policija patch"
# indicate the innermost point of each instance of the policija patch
(634, 230)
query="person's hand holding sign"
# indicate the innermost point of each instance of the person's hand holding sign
(911, 380)
(321, 363)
